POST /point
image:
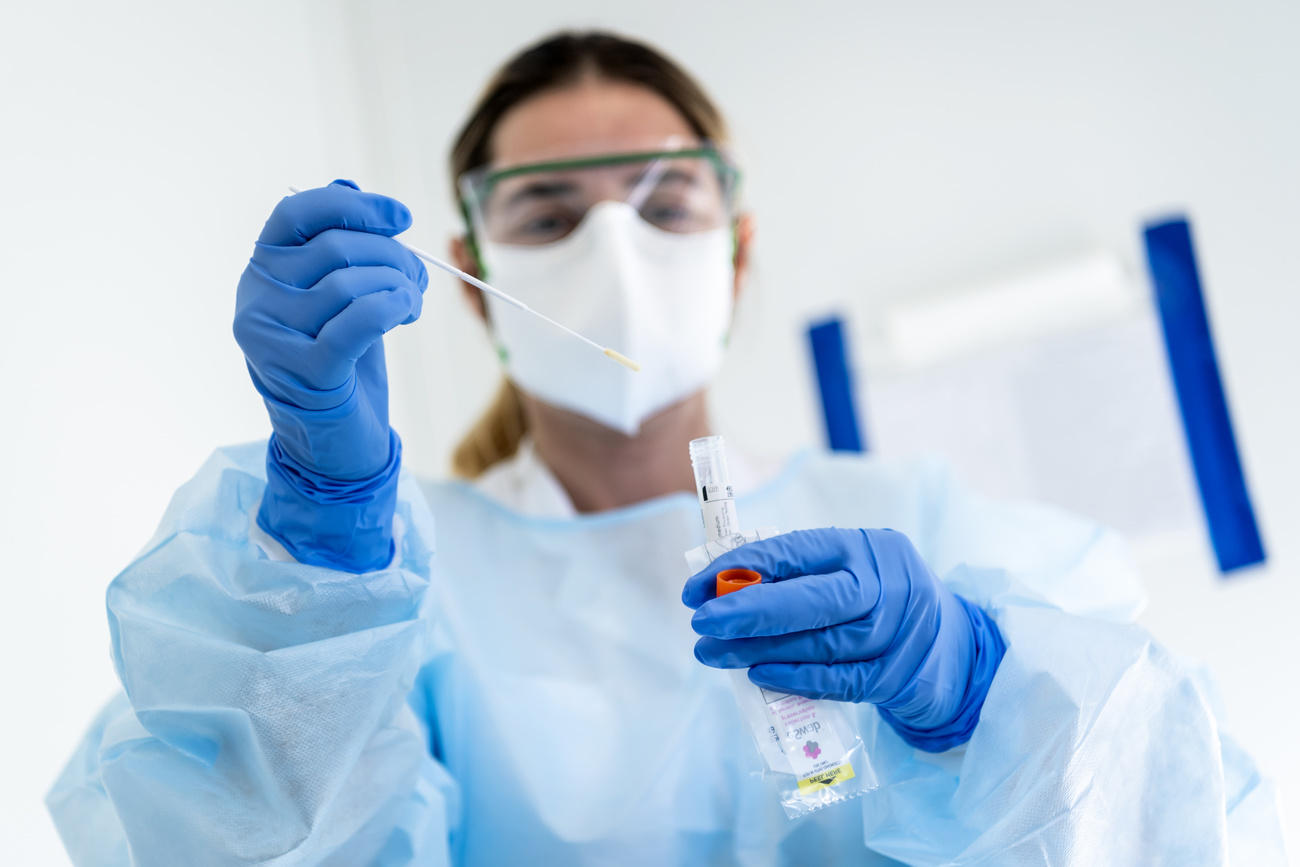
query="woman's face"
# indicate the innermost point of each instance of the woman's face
(592, 117)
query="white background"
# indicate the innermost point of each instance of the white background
(890, 149)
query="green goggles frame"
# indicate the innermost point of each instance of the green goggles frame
(728, 174)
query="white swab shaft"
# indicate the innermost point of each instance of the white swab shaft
(494, 292)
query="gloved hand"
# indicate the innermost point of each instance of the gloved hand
(325, 283)
(852, 615)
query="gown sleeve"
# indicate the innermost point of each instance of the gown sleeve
(264, 715)
(1095, 744)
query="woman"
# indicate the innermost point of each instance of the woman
(311, 679)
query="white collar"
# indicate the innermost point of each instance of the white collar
(524, 483)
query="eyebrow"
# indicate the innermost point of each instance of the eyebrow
(541, 190)
(681, 175)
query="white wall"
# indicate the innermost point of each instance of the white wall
(144, 145)
(890, 149)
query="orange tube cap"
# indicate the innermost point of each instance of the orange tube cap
(731, 580)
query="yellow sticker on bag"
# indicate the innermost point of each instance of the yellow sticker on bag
(825, 779)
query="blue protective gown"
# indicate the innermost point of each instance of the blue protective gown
(528, 695)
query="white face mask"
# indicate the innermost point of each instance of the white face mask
(663, 299)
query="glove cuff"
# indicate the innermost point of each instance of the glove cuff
(987, 652)
(326, 522)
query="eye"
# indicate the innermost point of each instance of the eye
(544, 225)
(667, 215)
(541, 228)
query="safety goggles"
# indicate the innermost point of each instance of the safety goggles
(683, 189)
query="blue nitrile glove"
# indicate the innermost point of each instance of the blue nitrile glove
(325, 283)
(852, 615)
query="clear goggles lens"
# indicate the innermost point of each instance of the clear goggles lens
(682, 190)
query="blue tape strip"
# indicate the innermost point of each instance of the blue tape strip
(830, 359)
(1206, 421)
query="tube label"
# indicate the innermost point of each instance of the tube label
(718, 508)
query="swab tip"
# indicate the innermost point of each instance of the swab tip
(623, 360)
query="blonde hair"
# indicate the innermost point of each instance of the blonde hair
(556, 61)
(494, 437)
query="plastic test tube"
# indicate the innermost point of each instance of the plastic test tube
(713, 486)
(718, 507)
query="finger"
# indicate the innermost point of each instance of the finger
(803, 552)
(812, 680)
(366, 319)
(792, 605)
(298, 218)
(304, 265)
(878, 681)
(857, 641)
(307, 310)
